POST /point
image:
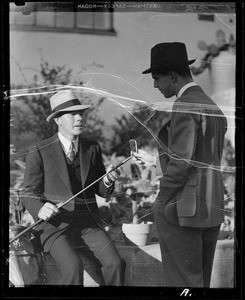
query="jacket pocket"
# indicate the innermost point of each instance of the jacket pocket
(186, 198)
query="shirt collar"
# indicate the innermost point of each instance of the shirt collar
(67, 143)
(184, 88)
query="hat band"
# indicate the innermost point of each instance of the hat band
(67, 104)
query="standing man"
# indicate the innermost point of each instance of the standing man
(190, 205)
(57, 169)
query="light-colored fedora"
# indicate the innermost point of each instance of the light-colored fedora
(65, 100)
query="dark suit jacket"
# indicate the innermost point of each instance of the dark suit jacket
(191, 188)
(46, 179)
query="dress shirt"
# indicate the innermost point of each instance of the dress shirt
(185, 87)
(67, 143)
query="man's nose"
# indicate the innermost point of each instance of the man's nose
(155, 84)
(79, 116)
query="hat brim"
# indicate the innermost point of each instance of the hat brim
(150, 70)
(71, 108)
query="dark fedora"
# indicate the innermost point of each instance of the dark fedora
(166, 56)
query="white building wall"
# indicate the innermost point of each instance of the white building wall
(127, 54)
(123, 56)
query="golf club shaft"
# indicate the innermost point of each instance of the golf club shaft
(59, 205)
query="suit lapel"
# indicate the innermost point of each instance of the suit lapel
(57, 157)
(85, 155)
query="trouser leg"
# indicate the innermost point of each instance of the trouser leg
(67, 259)
(187, 252)
(209, 237)
(105, 251)
(181, 250)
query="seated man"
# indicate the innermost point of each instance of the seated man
(56, 169)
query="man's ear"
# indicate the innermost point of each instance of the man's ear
(57, 121)
(173, 76)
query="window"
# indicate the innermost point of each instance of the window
(206, 17)
(61, 17)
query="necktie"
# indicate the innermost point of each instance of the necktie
(71, 152)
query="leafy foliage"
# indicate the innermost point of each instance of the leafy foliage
(134, 194)
(136, 190)
(28, 125)
(229, 180)
(30, 112)
(127, 127)
(16, 208)
(135, 186)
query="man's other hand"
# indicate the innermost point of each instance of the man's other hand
(48, 211)
(144, 158)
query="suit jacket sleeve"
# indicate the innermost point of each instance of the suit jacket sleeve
(32, 192)
(103, 190)
(182, 143)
